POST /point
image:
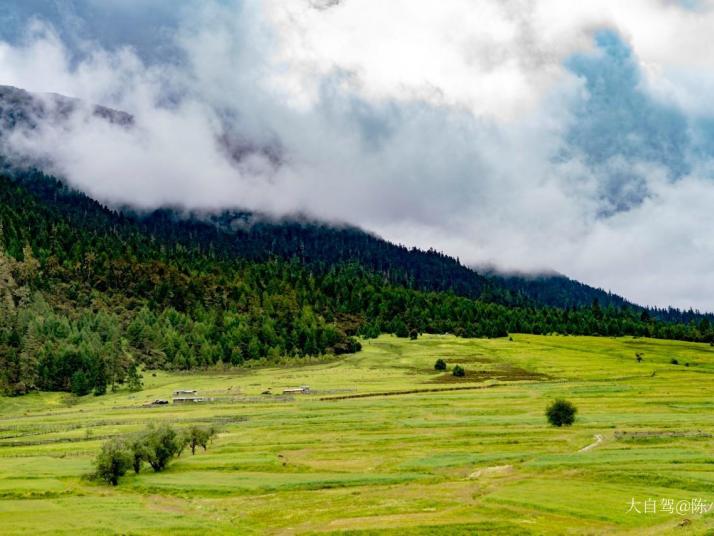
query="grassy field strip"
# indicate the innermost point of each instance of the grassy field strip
(461, 457)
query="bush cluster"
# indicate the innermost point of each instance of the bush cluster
(155, 446)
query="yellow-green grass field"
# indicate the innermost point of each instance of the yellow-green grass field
(433, 461)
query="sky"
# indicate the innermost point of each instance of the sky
(529, 135)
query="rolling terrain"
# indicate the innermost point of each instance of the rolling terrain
(425, 453)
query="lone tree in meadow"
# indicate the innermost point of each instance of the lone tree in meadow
(561, 413)
(156, 446)
(440, 364)
(113, 461)
(459, 371)
(199, 436)
(162, 444)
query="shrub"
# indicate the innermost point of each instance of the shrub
(349, 345)
(162, 443)
(133, 380)
(100, 388)
(139, 452)
(459, 371)
(400, 329)
(561, 413)
(79, 383)
(440, 364)
(100, 378)
(113, 461)
(199, 436)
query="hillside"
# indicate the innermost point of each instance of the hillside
(321, 245)
(91, 294)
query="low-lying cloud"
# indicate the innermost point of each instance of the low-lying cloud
(530, 135)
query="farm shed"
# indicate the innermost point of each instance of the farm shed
(302, 390)
(191, 399)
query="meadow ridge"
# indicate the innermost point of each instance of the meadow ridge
(383, 443)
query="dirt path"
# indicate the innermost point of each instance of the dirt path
(598, 439)
(492, 471)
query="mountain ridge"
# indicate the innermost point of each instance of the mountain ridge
(432, 270)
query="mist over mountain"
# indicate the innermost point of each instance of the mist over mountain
(259, 236)
(535, 137)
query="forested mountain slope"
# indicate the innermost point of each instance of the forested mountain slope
(318, 244)
(556, 290)
(89, 294)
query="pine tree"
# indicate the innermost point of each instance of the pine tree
(134, 379)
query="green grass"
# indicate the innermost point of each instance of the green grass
(434, 461)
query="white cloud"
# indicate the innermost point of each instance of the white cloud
(441, 124)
